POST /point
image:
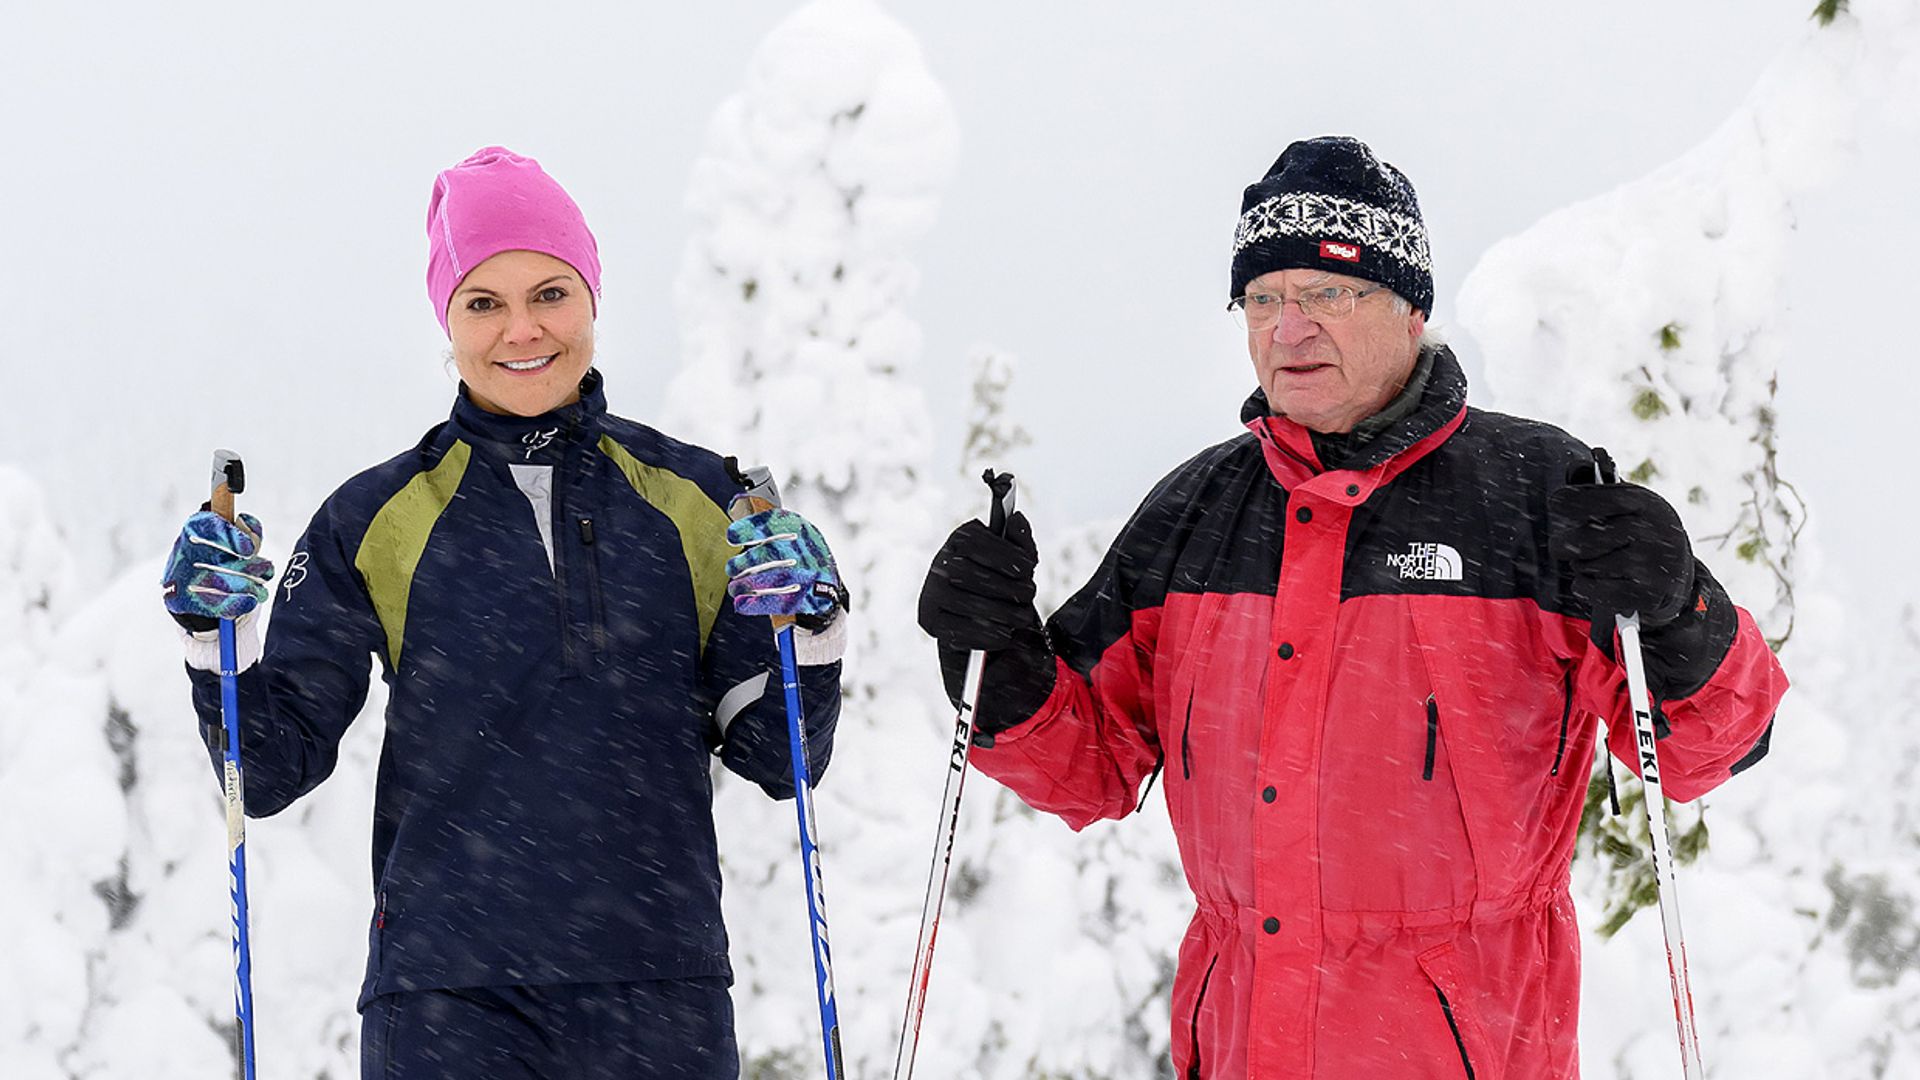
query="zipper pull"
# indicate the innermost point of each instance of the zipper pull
(586, 531)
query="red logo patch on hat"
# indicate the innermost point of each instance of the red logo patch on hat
(1344, 252)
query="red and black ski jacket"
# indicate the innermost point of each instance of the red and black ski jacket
(1376, 702)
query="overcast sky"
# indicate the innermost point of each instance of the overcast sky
(211, 215)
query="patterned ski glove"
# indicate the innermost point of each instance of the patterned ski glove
(784, 569)
(215, 571)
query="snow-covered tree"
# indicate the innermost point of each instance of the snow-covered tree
(817, 178)
(1648, 320)
(993, 436)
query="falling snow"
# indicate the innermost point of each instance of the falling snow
(1646, 320)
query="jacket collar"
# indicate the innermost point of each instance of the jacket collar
(1294, 459)
(534, 440)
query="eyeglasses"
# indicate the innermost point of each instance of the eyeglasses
(1325, 304)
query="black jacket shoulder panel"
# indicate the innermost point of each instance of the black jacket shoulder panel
(1207, 526)
(1470, 518)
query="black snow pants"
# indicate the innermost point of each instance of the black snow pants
(679, 1029)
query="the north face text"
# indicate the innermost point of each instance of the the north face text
(1428, 562)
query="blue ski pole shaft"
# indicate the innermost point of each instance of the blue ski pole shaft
(810, 853)
(227, 482)
(761, 495)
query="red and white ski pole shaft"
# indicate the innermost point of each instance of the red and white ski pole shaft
(1628, 626)
(1001, 485)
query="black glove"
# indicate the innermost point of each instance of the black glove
(1629, 552)
(1626, 546)
(979, 595)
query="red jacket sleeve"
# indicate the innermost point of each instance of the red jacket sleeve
(1713, 732)
(1083, 755)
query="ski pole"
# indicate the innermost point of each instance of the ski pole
(1628, 626)
(1001, 486)
(761, 495)
(230, 479)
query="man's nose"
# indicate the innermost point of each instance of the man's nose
(1293, 327)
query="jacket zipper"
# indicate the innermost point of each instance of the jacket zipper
(1433, 736)
(1193, 1069)
(1186, 744)
(1454, 1026)
(1566, 712)
(563, 609)
(593, 586)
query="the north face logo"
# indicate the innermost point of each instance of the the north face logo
(1428, 562)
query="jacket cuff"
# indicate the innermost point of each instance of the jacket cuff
(203, 647)
(1682, 655)
(818, 648)
(1014, 686)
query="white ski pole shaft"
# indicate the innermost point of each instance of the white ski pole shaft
(948, 826)
(1644, 738)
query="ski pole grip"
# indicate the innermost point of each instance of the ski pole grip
(1001, 485)
(1604, 471)
(761, 492)
(229, 479)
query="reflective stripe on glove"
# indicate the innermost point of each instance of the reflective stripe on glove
(215, 571)
(784, 569)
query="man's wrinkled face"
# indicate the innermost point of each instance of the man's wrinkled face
(1329, 374)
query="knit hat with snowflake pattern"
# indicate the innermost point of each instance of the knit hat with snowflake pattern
(1329, 204)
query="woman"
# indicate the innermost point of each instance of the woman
(545, 587)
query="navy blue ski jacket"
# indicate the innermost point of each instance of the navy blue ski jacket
(546, 598)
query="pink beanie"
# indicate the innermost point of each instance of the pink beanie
(498, 201)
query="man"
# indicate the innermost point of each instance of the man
(1369, 642)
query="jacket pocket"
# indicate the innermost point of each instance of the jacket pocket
(1186, 741)
(1433, 737)
(1566, 714)
(1193, 1022)
(1452, 1003)
(377, 932)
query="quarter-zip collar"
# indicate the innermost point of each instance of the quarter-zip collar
(533, 440)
